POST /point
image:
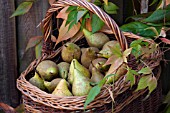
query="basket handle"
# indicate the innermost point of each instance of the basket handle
(91, 7)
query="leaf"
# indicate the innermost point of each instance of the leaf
(167, 98)
(165, 40)
(97, 2)
(53, 38)
(38, 50)
(111, 60)
(111, 8)
(116, 50)
(92, 94)
(63, 14)
(85, 21)
(71, 8)
(158, 15)
(139, 29)
(72, 17)
(7, 108)
(153, 2)
(51, 1)
(97, 23)
(143, 82)
(64, 34)
(20, 109)
(81, 14)
(152, 84)
(145, 70)
(126, 53)
(115, 65)
(23, 8)
(130, 76)
(33, 42)
(105, 2)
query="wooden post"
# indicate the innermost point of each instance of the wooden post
(8, 55)
(27, 28)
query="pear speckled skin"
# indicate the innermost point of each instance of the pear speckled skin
(95, 40)
(81, 84)
(75, 64)
(88, 54)
(63, 68)
(47, 70)
(62, 89)
(37, 81)
(97, 76)
(70, 51)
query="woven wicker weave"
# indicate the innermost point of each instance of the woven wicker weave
(36, 100)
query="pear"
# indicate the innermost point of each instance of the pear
(62, 89)
(63, 68)
(81, 84)
(75, 64)
(37, 81)
(97, 76)
(70, 51)
(52, 85)
(88, 54)
(96, 39)
(120, 72)
(99, 64)
(106, 51)
(47, 70)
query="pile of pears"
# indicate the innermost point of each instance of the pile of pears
(79, 68)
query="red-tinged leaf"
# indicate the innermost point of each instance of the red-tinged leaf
(111, 60)
(165, 40)
(78, 36)
(63, 13)
(65, 34)
(34, 41)
(7, 108)
(115, 65)
(51, 1)
(105, 29)
(88, 24)
(23, 8)
(53, 38)
(152, 83)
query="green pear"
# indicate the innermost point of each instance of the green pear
(88, 54)
(99, 64)
(97, 76)
(75, 64)
(106, 51)
(70, 51)
(120, 72)
(63, 68)
(62, 89)
(37, 81)
(81, 84)
(52, 85)
(47, 70)
(96, 39)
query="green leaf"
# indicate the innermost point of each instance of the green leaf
(152, 84)
(97, 23)
(23, 8)
(97, 2)
(71, 8)
(95, 91)
(116, 50)
(153, 2)
(126, 53)
(167, 109)
(72, 16)
(33, 42)
(111, 8)
(87, 15)
(158, 15)
(38, 50)
(130, 76)
(92, 94)
(143, 82)
(145, 70)
(139, 29)
(167, 98)
(81, 14)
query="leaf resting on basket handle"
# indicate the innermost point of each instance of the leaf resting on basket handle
(95, 90)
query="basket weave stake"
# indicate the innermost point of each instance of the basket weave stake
(76, 103)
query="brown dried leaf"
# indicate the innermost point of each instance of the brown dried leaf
(53, 38)
(107, 30)
(7, 108)
(64, 34)
(51, 1)
(88, 24)
(63, 14)
(115, 65)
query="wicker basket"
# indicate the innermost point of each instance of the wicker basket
(36, 100)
